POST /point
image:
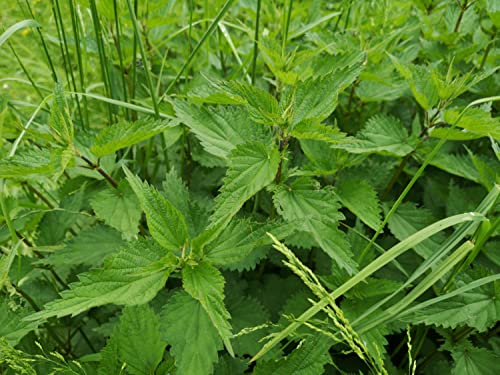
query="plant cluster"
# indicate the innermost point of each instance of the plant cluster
(263, 187)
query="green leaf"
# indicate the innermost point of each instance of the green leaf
(31, 164)
(361, 199)
(237, 241)
(382, 134)
(314, 130)
(188, 329)
(90, 247)
(409, 219)
(124, 280)
(474, 120)
(220, 129)
(135, 343)
(176, 192)
(308, 359)
(16, 27)
(456, 164)
(165, 222)
(421, 81)
(317, 212)
(60, 117)
(470, 360)
(206, 284)
(478, 308)
(247, 312)
(318, 98)
(12, 326)
(252, 167)
(124, 134)
(119, 208)
(261, 105)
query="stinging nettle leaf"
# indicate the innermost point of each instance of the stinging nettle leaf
(125, 134)
(90, 247)
(308, 359)
(124, 280)
(135, 342)
(382, 134)
(361, 199)
(119, 208)
(234, 247)
(31, 164)
(317, 98)
(314, 130)
(317, 212)
(12, 326)
(206, 284)
(165, 222)
(220, 129)
(252, 166)
(195, 341)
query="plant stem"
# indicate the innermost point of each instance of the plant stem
(463, 8)
(101, 171)
(256, 42)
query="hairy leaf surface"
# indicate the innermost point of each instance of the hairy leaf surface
(123, 280)
(252, 167)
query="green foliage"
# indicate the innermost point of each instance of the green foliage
(206, 284)
(252, 166)
(382, 134)
(124, 280)
(125, 134)
(308, 359)
(361, 199)
(119, 208)
(194, 339)
(267, 187)
(316, 211)
(135, 344)
(165, 222)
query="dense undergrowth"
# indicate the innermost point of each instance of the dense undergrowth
(267, 187)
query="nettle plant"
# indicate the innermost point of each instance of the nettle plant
(291, 221)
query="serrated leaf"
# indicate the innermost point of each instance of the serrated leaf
(177, 193)
(12, 326)
(60, 118)
(261, 105)
(314, 130)
(382, 134)
(421, 81)
(308, 359)
(361, 199)
(478, 308)
(30, 164)
(135, 343)
(247, 312)
(252, 167)
(165, 222)
(90, 247)
(189, 330)
(474, 120)
(409, 219)
(124, 134)
(206, 284)
(456, 164)
(470, 360)
(220, 129)
(317, 98)
(124, 280)
(119, 208)
(317, 211)
(237, 241)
